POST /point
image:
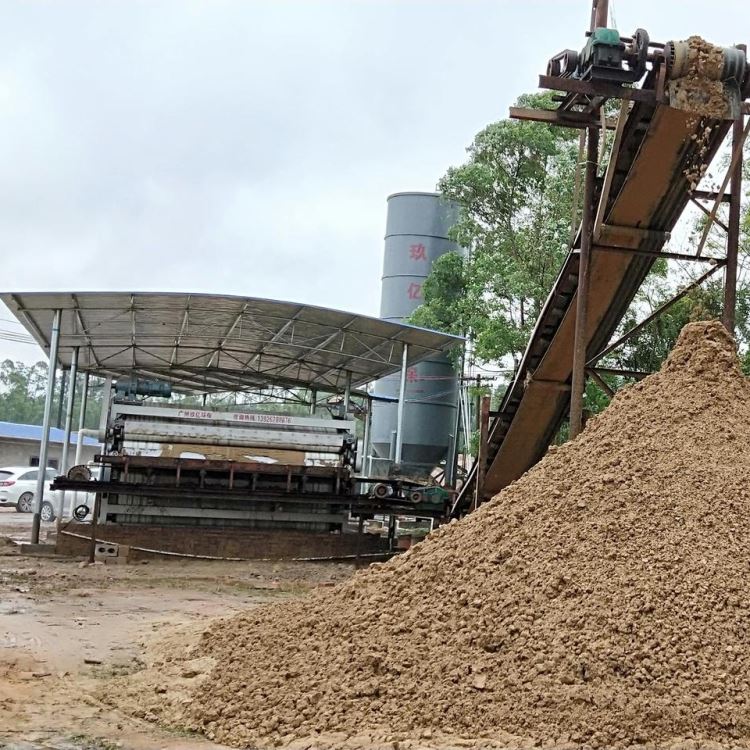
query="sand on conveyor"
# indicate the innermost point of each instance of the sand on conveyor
(601, 600)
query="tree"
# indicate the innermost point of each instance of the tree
(22, 394)
(515, 191)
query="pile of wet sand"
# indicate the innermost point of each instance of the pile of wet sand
(601, 600)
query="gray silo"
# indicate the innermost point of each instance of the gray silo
(416, 235)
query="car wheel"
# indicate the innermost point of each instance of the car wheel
(48, 512)
(25, 503)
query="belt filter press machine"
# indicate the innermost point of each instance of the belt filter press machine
(166, 466)
(169, 465)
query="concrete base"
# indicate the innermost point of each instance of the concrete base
(38, 550)
(146, 541)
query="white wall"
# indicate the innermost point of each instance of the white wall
(20, 452)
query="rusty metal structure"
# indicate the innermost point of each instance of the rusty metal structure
(660, 147)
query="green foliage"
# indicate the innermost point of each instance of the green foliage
(516, 194)
(22, 392)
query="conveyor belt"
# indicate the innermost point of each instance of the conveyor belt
(649, 192)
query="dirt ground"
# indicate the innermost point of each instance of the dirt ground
(66, 629)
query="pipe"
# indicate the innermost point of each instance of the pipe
(579, 348)
(347, 392)
(366, 437)
(44, 444)
(83, 432)
(66, 437)
(82, 419)
(104, 411)
(400, 413)
(63, 389)
(313, 401)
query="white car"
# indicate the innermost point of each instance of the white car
(17, 488)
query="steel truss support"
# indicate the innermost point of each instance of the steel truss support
(637, 374)
(579, 346)
(599, 380)
(739, 133)
(654, 315)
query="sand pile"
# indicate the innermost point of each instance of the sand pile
(698, 87)
(604, 598)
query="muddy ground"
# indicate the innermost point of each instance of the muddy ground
(64, 630)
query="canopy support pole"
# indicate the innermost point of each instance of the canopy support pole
(66, 437)
(347, 392)
(44, 443)
(400, 412)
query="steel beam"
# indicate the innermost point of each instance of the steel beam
(579, 346)
(709, 195)
(611, 167)
(599, 380)
(44, 444)
(738, 141)
(716, 219)
(68, 428)
(563, 118)
(733, 232)
(655, 314)
(659, 254)
(637, 374)
(597, 88)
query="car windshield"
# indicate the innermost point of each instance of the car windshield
(51, 473)
(5, 475)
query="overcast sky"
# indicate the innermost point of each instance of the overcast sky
(247, 147)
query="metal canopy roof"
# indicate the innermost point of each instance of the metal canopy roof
(207, 343)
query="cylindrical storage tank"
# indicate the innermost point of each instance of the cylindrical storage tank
(417, 228)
